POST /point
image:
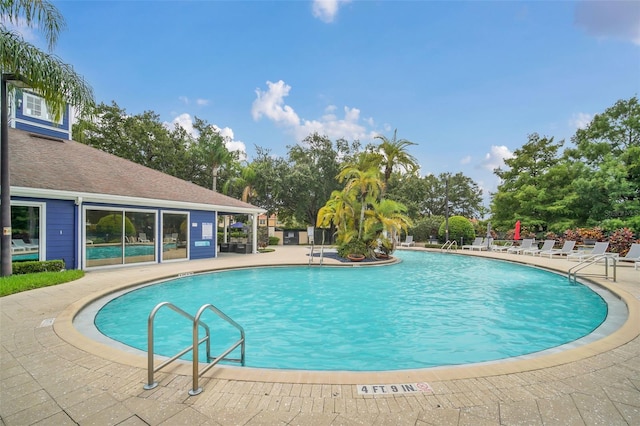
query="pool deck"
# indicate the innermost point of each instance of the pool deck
(51, 374)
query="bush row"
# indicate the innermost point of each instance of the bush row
(34, 266)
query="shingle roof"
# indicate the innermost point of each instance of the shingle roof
(57, 165)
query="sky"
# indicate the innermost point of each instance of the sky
(466, 81)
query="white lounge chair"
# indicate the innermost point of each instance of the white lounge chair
(526, 244)
(633, 255)
(142, 237)
(506, 246)
(546, 246)
(408, 242)
(598, 250)
(567, 249)
(476, 242)
(484, 245)
(20, 245)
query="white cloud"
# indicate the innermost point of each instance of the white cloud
(184, 100)
(610, 19)
(270, 104)
(580, 120)
(326, 10)
(185, 121)
(466, 160)
(495, 157)
(202, 102)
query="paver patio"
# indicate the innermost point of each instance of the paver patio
(51, 374)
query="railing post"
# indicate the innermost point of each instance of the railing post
(196, 373)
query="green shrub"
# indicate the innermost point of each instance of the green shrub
(459, 227)
(37, 266)
(355, 246)
(273, 241)
(112, 225)
(426, 228)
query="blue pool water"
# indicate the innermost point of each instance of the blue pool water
(109, 252)
(430, 310)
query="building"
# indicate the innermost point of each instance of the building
(92, 209)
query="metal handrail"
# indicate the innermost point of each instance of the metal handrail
(241, 342)
(447, 246)
(150, 342)
(196, 342)
(573, 271)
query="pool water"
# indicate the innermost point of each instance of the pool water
(115, 251)
(429, 310)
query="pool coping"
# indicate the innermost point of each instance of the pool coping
(630, 330)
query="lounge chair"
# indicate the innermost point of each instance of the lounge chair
(526, 244)
(408, 242)
(598, 250)
(484, 245)
(20, 245)
(633, 255)
(142, 237)
(546, 246)
(506, 246)
(567, 249)
(476, 242)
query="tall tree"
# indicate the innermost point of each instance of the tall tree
(525, 192)
(210, 146)
(394, 156)
(313, 166)
(365, 184)
(44, 72)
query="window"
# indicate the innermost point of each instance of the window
(25, 232)
(36, 107)
(175, 239)
(119, 236)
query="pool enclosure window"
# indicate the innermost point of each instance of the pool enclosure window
(25, 232)
(175, 237)
(119, 236)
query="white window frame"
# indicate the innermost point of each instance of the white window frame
(162, 213)
(123, 211)
(44, 111)
(42, 238)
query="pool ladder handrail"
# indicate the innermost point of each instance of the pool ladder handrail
(573, 271)
(197, 322)
(448, 245)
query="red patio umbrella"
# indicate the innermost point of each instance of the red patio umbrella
(516, 234)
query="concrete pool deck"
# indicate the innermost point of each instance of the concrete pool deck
(52, 374)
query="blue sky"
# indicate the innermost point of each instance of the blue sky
(466, 81)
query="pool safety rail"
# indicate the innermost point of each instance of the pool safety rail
(197, 323)
(573, 271)
(449, 245)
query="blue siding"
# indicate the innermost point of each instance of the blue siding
(43, 131)
(61, 232)
(197, 248)
(43, 127)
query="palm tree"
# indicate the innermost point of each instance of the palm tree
(45, 73)
(394, 155)
(365, 184)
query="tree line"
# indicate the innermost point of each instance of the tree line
(595, 181)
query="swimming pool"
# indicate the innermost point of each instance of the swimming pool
(430, 310)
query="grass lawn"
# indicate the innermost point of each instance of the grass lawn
(24, 282)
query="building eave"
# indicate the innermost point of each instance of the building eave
(87, 197)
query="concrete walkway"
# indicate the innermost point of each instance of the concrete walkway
(51, 374)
